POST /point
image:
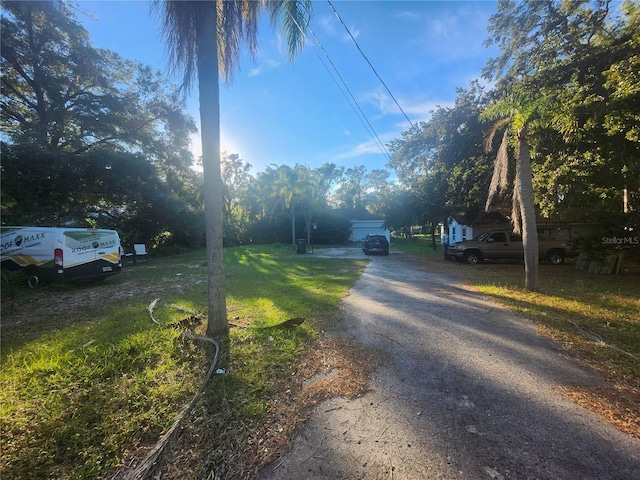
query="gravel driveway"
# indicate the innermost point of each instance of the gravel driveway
(471, 392)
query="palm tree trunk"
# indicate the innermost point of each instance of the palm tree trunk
(308, 214)
(209, 89)
(292, 209)
(528, 214)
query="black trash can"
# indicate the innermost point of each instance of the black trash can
(301, 244)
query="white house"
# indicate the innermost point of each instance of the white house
(461, 227)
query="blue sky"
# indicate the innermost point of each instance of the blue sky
(276, 112)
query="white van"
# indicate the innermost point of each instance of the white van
(45, 254)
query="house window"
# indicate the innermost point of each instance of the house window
(464, 233)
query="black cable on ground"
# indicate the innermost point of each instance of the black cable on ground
(143, 470)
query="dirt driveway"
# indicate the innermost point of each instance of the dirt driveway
(471, 391)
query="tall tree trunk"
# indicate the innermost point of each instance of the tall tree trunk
(209, 89)
(308, 214)
(292, 209)
(433, 236)
(524, 184)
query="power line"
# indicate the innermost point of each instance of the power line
(360, 115)
(365, 57)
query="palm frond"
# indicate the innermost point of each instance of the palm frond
(499, 178)
(178, 27)
(488, 139)
(293, 17)
(515, 206)
(237, 27)
(500, 109)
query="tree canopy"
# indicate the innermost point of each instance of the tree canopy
(575, 66)
(89, 138)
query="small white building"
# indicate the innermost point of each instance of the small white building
(362, 223)
(360, 228)
(461, 227)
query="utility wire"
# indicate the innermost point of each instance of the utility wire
(365, 57)
(363, 118)
(360, 115)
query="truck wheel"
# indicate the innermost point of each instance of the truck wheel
(33, 278)
(556, 257)
(472, 258)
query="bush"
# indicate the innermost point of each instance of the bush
(266, 231)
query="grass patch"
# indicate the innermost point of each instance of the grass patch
(596, 318)
(88, 381)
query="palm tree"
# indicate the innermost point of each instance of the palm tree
(305, 196)
(293, 187)
(204, 40)
(515, 115)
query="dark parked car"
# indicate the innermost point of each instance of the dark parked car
(375, 242)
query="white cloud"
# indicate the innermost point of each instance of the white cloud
(455, 35)
(408, 15)
(265, 65)
(328, 24)
(355, 151)
(369, 147)
(421, 111)
(415, 108)
(354, 32)
(331, 27)
(379, 99)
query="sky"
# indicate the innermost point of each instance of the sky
(279, 113)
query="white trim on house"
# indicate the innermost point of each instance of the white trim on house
(455, 232)
(459, 230)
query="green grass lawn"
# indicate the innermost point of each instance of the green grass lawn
(87, 378)
(88, 382)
